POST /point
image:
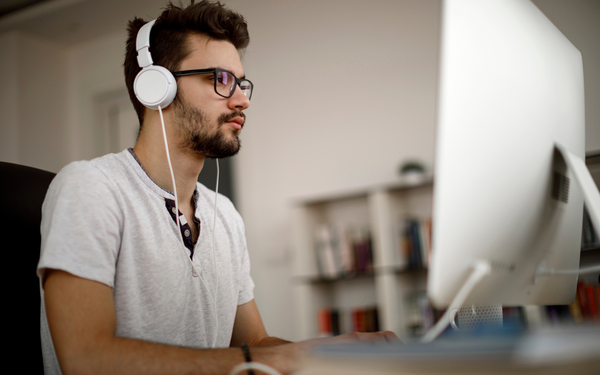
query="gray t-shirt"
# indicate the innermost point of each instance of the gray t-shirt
(106, 220)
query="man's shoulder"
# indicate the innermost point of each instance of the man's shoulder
(88, 175)
(83, 170)
(102, 167)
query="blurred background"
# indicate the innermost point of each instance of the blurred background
(345, 93)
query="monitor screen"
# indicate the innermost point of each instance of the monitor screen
(510, 90)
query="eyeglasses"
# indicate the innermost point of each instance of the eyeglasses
(225, 81)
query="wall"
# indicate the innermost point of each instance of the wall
(33, 101)
(97, 78)
(9, 98)
(578, 20)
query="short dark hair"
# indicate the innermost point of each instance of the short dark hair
(169, 36)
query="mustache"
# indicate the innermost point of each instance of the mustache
(225, 117)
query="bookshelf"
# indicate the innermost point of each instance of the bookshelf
(371, 217)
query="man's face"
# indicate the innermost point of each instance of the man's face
(207, 123)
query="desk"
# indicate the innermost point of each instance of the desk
(551, 351)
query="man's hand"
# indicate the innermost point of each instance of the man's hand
(384, 337)
(294, 355)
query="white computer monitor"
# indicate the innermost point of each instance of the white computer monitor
(510, 91)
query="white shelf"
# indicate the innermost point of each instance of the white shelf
(378, 208)
(409, 183)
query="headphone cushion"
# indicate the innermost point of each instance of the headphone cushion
(155, 86)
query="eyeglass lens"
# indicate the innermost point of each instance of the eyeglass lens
(226, 82)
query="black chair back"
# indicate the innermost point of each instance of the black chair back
(22, 192)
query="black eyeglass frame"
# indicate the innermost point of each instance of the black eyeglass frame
(216, 71)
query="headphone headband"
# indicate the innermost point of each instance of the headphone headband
(142, 45)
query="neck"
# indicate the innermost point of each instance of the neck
(150, 151)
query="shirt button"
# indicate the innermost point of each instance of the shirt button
(187, 232)
(174, 210)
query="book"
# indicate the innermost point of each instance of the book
(593, 307)
(365, 319)
(363, 252)
(358, 320)
(598, 299)
(335, 322)
(343, 239)
(585, 309)
(342, 251)
(325, 329)
(415, 242)
(583, 300)
(575, 311)
(329, 322)
(327, 257)
(425, 237)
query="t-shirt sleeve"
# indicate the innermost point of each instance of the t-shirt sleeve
(81, 224)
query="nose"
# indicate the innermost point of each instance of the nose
(238, 100)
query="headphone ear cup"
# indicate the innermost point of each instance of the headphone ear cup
(155, 86)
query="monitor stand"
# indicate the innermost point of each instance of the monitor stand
(591, 197)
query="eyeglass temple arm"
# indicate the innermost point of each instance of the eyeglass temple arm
(192, 72)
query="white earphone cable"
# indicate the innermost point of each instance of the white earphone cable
(215, 254)
(162, 121)
(213, 298)
(245, 366)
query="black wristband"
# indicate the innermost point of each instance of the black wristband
(246, 351)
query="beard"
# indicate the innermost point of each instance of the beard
(194, 128)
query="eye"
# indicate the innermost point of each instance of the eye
(223, 78)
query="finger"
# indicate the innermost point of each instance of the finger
(391, 337)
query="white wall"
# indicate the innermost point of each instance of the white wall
(9, 98)
(579, 21)
(33, 101)
(97, 76)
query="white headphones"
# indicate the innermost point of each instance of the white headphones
(154, 86)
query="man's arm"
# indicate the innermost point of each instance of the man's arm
(82, 319)
(248, 328)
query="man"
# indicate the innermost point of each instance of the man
(121, 292)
